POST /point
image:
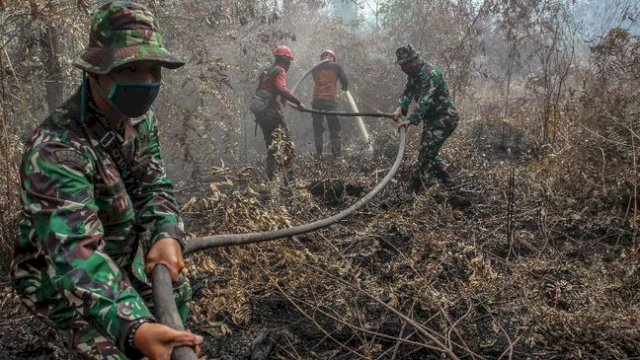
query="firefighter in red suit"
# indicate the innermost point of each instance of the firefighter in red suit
(273, 86)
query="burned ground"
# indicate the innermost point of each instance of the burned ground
(533, 255)
(458, 273)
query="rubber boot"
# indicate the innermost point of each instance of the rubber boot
(421, 180)
(441, 174)
(319, 149)
(270, 166)
(336, 148)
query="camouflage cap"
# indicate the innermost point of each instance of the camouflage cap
(123, 32)
(406, 53)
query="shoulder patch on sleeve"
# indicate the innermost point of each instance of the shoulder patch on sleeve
(71, 157)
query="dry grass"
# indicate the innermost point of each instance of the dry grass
(539, 264)
(535, 256)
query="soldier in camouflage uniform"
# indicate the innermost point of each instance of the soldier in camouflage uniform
(97, 217)
(426, 98)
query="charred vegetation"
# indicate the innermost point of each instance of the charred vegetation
(533, 255)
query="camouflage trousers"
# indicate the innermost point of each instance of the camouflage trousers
(269, 124)
(83, 337)
(436, 131)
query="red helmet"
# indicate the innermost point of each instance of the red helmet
(283, 50)
(328, 52)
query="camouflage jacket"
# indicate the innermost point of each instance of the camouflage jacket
(429, 90)
(77, 251)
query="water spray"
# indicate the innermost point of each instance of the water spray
(363, 128)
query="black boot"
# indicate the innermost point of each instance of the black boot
(270, 166)
(441, 174)
(336, 148)
(319, 149)
(421, 180)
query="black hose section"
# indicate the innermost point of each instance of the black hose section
(209, 242)
(166, 310)
(345, 113)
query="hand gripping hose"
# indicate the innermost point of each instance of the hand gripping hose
(166, 310)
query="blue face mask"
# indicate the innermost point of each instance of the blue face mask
(133, 99)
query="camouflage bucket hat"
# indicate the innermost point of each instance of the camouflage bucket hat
(123, 32)
(405, 53)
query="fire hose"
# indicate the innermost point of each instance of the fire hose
(166, 310)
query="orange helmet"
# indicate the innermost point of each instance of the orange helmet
(328, 52)
(284, 51)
